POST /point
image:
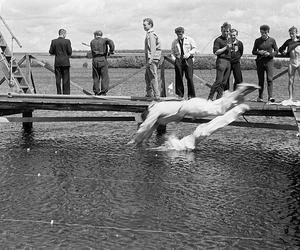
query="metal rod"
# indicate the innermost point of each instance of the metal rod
(11, 62)
(9, 30)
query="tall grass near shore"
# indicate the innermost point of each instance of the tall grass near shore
(200, 62)
(137, 60)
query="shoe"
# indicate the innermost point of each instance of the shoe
(271, 99)
(259, 99)
(100, 93)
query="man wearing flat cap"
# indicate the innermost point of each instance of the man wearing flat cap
(265, 48)
(101, 48)
(182, 52)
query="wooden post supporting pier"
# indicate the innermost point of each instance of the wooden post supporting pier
(27, 126)
(296, 112)
(162, 129)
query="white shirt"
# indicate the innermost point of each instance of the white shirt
(189, 47)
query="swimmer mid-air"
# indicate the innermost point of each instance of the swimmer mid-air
(228, 108)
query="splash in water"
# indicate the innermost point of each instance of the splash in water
(227, 108)
(189, 142)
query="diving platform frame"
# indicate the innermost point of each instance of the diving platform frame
(27, 103)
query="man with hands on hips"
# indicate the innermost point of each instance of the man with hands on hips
(182, 52)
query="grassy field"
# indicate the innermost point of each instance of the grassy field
(135, 86)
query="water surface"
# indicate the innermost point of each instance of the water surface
(238, 190)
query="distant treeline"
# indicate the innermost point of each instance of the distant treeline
(201, 62)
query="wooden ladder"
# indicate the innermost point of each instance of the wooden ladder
(16, 81)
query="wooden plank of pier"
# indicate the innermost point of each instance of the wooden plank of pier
(28, 102)
(128, 118)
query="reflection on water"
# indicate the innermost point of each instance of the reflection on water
(238, 190)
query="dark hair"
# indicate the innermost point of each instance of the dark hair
(62, 31)
(149, 20)
(234, 30)
(179, 30)
(293, 28)
(98, 33)
(226, 25)
(265, 27)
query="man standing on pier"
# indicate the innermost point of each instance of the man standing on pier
(61, 48)
(99, 49)
(221, 49)
(152, 54)
(265, 48)
(182, 52)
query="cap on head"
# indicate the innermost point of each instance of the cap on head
(98, 33)
(179, 30)
(264, 27)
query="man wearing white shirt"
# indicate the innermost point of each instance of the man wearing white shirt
(182, 52)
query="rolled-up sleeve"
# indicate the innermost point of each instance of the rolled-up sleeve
(173, 50)
(193, 46)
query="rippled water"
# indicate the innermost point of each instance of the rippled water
(79, 186)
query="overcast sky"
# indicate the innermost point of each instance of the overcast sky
(36, 22)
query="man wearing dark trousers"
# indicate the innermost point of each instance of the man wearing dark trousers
(61, 48)
(265, 48)
(182, 52)
(100, 65)
(236, 49)
(221, 49)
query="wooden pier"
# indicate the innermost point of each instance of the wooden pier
(26, 104)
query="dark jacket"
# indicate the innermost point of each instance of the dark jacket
(221, 42)
(99, 46)
(267, 45)
(237, 51)
(62, 50)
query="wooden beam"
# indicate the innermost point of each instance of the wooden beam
(296, 112)
(27, 125)
(67, 119)
(134, 119)
(280, 74)
(163, 92)
(248, 124)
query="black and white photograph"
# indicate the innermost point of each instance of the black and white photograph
(143, 125)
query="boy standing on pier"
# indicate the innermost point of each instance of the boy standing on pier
(236, 49)
(293, 51)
